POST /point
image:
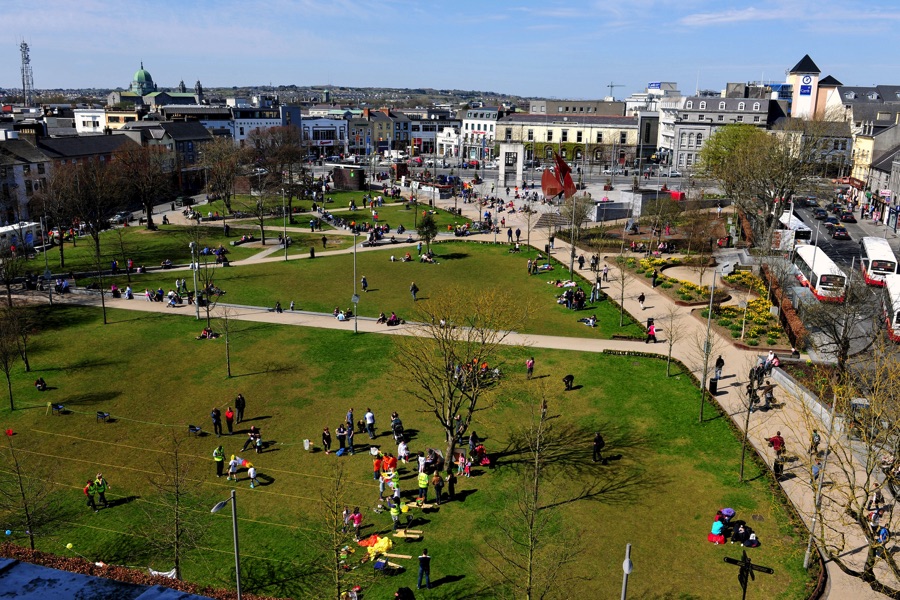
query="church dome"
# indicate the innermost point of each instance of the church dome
(142, 76)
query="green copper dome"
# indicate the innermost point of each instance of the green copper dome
(142, 76)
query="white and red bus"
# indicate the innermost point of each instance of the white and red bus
(876, 259)
(819, 273)
(892, 306)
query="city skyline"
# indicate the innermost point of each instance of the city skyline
(526, 48)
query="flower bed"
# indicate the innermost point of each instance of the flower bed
(683, 292)
(760, 325)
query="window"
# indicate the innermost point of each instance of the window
(509, 134)
(549, 135)
(756, 106)
(559, 109)
(579, 137)
(699, 140)
(623, 137)
(599, 137)
(564, 137)
(721, 117)
(741, 105)
(689, 104)
(690, 140)
(492, 128)
(702, 105)
(242, 131)
(689, 160)
(548, 152)
(562, 153)
(598, 155)
(578, 154)
(721, 106)
(531, 135)
(756, 119)
(26, 169)
(28, 188)
(683, 139)
(700, 117)
(740, 119)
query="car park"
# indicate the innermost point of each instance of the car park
(820, 213)
(847, 217)
(839, 232)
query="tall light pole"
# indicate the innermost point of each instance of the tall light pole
(234, 526)
(284, 224)
(627, 568)
(707, 349)
(195, 264)
(355, 298)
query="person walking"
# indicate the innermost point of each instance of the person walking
(216, 416)
(509, 235)
(229, 420)
(814, 441)
(641, 299)
(350, 434)
(100, 485)
(599, 444)
(816, 471)
(326, 440)
(651, 333)
(653, 278)
(606, 273)
(251, 472)
(414, 290)
(529, 367)
(240, 404)
(720, 364)
(424, 569)
(341, 433)
(349, 418)
(437, 482)
(518, 234)
(595, 292)
(776, 442)
(364, 283)
(356, 521)
(89, 491)
(369, 418)
(219, 458)
(423, 486)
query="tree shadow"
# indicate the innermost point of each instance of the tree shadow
(276, 578)
(453, 255)
(84, 363)
(268, 368)
(90, 398)
(568, 451)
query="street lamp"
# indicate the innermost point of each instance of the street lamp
(284, 224)
(195, 264)
(234, 525)
(355, 298)
(627, 568)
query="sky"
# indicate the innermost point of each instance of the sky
(573, 49)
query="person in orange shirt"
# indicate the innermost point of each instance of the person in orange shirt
(376, 466)
(389, 463)
(229, 420)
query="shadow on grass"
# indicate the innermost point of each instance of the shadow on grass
(268, 368)
(84, 363)
(454, 255)
(277, 578)
(568, 451)
(90, 398)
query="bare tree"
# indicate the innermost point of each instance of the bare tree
(145, 174)
(26, 501)
(530, 555)
(459, 330)
(12, 267)
(220, 160)
(673, 330)
(9, 349)
(173, 527)
(54, 199)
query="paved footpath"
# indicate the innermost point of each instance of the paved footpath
(791, 419)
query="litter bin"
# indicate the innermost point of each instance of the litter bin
(713, 386)
(459, 211)
(312, 252)
(547, 249)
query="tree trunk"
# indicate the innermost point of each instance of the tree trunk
(9, 294)
(12, 404)
(62, 257)
(148, 208)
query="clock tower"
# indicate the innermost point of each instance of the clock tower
(804, 79)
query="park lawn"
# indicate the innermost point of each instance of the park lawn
(246, 202)
(327, 282)
(400, 214)
(144, 246)
(661, 493)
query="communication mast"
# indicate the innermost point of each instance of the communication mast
(27, 78)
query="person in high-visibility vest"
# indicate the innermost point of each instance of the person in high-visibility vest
(219, 457)
(395, 513)
(89, 491)
(423, 486)
(101, 486)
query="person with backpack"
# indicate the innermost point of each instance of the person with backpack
(414, 290)
(219, 458)
(720, 364)
(89, 491)
(599, 444)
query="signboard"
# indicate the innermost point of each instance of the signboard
(885, 193)
(806, 90)
(653, 85)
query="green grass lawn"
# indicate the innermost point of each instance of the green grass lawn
(143, 246)
(667, 478)
(321, 284)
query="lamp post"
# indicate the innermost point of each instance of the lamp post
(355, 298)
(707, 349)
(195, 264)
(284, 224)
(627, 568)
(234, 525)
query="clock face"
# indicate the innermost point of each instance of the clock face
(807, 79)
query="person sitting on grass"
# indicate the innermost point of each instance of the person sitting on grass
(207, 334)
(589, 321)
(426, 259)
(407, 257)
(40, 384)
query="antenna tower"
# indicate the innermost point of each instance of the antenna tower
(27, 78)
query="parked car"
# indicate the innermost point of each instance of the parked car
(836, 208)
(672, 174)
(612, 171)
(847, 217)
(807, 201)
(474, 163)
(260, 171)
(831, 222)
(839, 232)
(384, 163)
(121, 217)
(416, 161)
(820, 213)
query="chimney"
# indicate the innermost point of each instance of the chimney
(366, 113)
